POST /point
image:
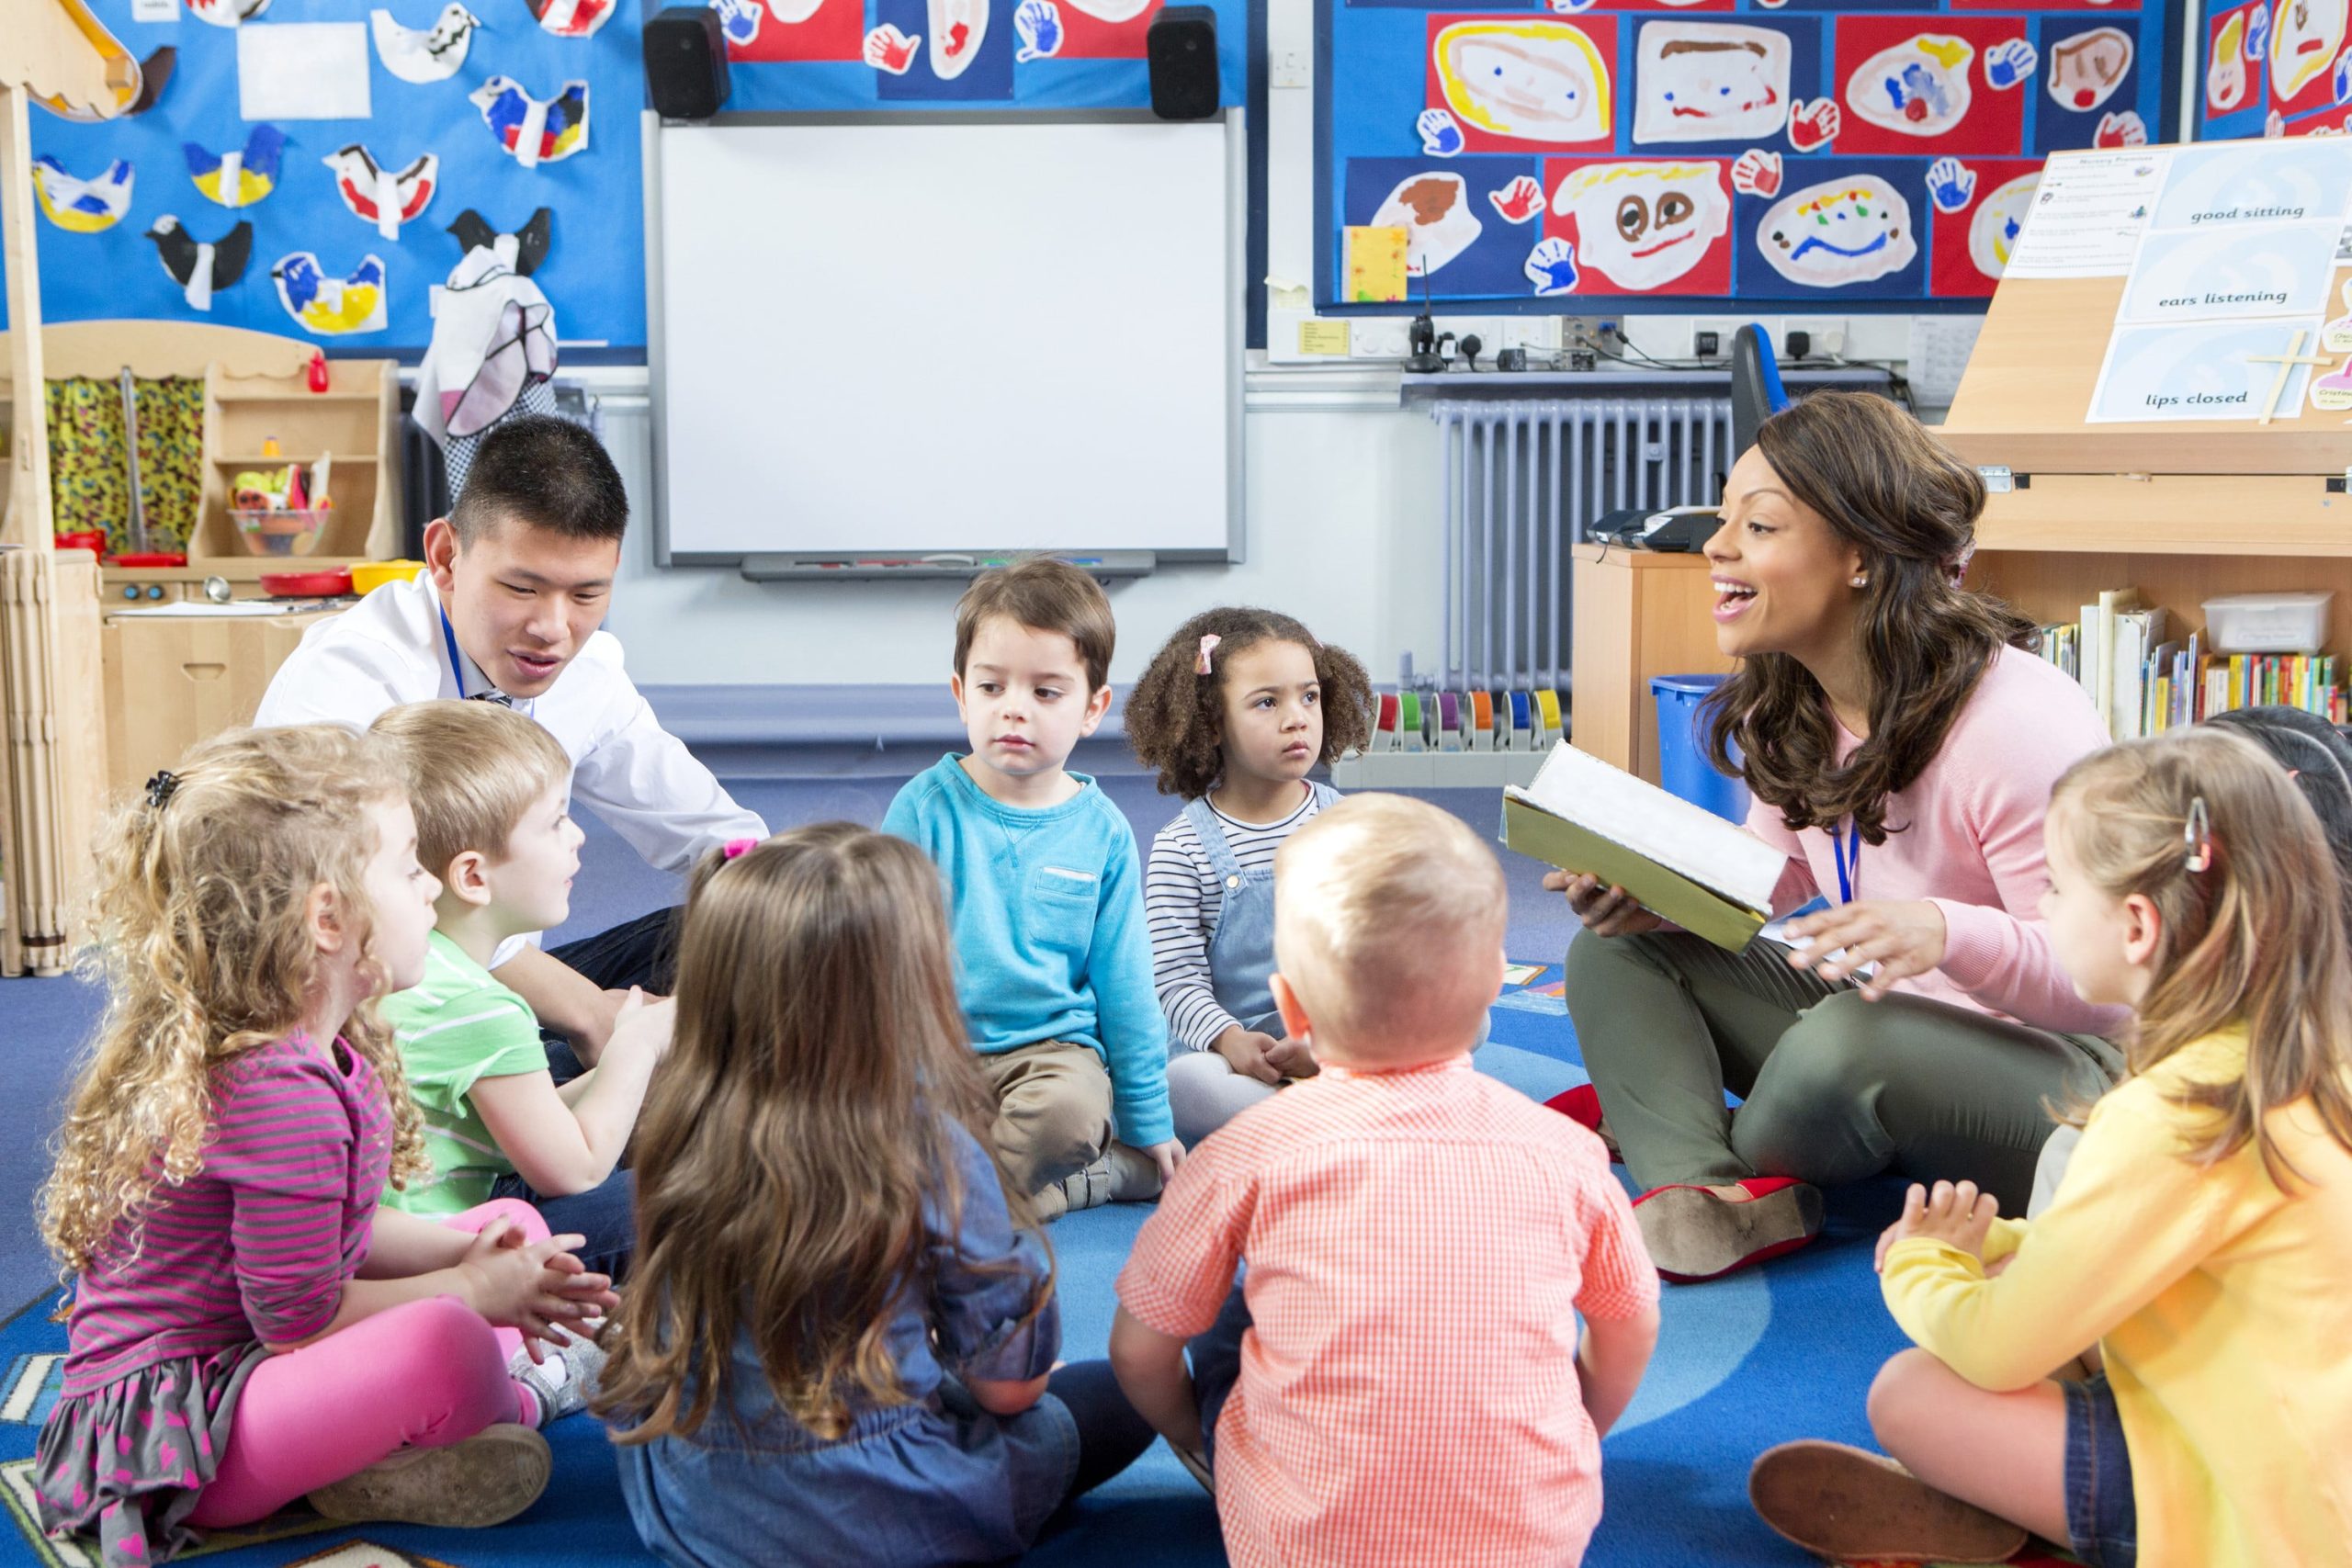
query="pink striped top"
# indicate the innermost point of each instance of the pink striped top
(258, 1242)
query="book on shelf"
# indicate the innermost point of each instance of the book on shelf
(1680, 861)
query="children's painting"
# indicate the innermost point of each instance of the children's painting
(1516, 82)
(1643, 226)
(2307, 37)
(1893, 143)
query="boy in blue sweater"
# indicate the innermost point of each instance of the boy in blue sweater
(1045, 896)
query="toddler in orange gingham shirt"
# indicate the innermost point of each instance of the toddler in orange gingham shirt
(1392, 1381)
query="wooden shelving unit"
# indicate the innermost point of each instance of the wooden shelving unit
(355, 420)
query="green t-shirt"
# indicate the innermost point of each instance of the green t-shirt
(457, 1026)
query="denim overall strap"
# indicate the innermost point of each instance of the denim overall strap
(1241, 947)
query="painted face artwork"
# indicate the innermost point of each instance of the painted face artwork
(956, 28)
(82, 206)
(2086, 70)
(1534, 81)
(1992, 228)
(1918, 88)
(2305, 36)
(2225, 77)
(424, 54)
(1640, 225)
(1709, 82)
(1840, 231)
(1434, 211)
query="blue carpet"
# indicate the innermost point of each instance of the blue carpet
(1742, 1364)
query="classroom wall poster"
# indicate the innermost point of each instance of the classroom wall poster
(1802, 151)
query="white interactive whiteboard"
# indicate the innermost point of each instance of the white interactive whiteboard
(897, 334)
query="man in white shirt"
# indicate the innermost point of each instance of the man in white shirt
(519, 577)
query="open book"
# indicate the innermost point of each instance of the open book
(1682, 861)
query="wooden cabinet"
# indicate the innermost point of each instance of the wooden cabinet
(174, 680)
(1638, 613)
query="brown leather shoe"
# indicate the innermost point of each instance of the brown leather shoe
(1850, 1505)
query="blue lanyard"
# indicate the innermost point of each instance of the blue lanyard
(449, 640)
(1850, 866)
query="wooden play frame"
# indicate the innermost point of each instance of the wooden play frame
(2181, 511)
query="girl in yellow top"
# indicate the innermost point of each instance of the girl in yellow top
(2200, 1235)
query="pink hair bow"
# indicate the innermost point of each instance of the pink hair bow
(735, 847)
(1208, 646)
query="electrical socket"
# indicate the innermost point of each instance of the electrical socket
(1827, 333)
(1377, 337)
(1537, 334)
(1723, 327)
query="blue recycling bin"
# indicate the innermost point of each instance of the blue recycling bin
(1683, 763)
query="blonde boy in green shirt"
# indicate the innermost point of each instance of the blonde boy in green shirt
(489, 788)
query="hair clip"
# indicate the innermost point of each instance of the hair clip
(1208, 645)
(161, 788)
(2198, 836)
(735, 847)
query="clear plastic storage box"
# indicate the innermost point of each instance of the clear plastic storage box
(2267, 623)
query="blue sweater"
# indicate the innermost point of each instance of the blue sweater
(1046, 910)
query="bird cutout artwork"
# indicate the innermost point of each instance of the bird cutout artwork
(1434, 211)
(535, 130)
(2088, 68)
(385, 198)
(202, 268)
(1918, 88)
(80, 206)
(228, 13)
(571, 19)
(424, 54)
(1709, 82)
(1840, 231)
(241, 177)
(1643, 225)
(154, 75)
(956, 28)
(530, 241)
(1526, 79)
(332, 307)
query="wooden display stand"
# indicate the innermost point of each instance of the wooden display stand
(172, 680)
(255, 391)
(2183, 511)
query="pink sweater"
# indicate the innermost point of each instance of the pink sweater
(1971, 844)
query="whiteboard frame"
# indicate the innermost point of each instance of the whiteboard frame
(1237, 142)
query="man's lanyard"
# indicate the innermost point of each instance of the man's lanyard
(458, 669)
(1850, 866)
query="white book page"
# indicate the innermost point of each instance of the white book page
(1685, 838)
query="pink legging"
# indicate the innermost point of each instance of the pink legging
(426, 1374)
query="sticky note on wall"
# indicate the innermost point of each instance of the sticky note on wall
(1375, 263)
(1323, 337)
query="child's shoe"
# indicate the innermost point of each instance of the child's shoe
(564, 1379)
(1851, 1505)
(1123, 1175)
(486, 1479)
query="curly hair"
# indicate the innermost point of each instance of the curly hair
(207, 955)
(1176, 715)
(1888, 487)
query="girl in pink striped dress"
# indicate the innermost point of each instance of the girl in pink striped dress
(247, 1328)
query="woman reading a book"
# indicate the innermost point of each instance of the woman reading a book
(1900, 741)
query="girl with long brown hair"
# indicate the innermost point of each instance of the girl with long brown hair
(1900, 741)
(838, 1343)
(248, 1327)
(2198, 1235)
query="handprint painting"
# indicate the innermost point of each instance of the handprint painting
(1709, 82)
(1919, 87)
(1434, 211)
(1640, 225)
(1840, 232)
(1514, 80)
(2086, 69)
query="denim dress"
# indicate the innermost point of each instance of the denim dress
(936, 1480)
(1241, 949)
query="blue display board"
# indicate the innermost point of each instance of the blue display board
(108, 185)
(2267, 69)
(1565, 157)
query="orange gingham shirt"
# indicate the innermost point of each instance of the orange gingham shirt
(1418, 1245)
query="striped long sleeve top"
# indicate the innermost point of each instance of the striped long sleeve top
(257, 1245)
(1182, 899)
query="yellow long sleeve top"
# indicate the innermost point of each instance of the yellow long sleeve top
(2222, 1304)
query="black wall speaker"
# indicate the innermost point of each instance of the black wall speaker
(686, 62)
(1181, 45)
